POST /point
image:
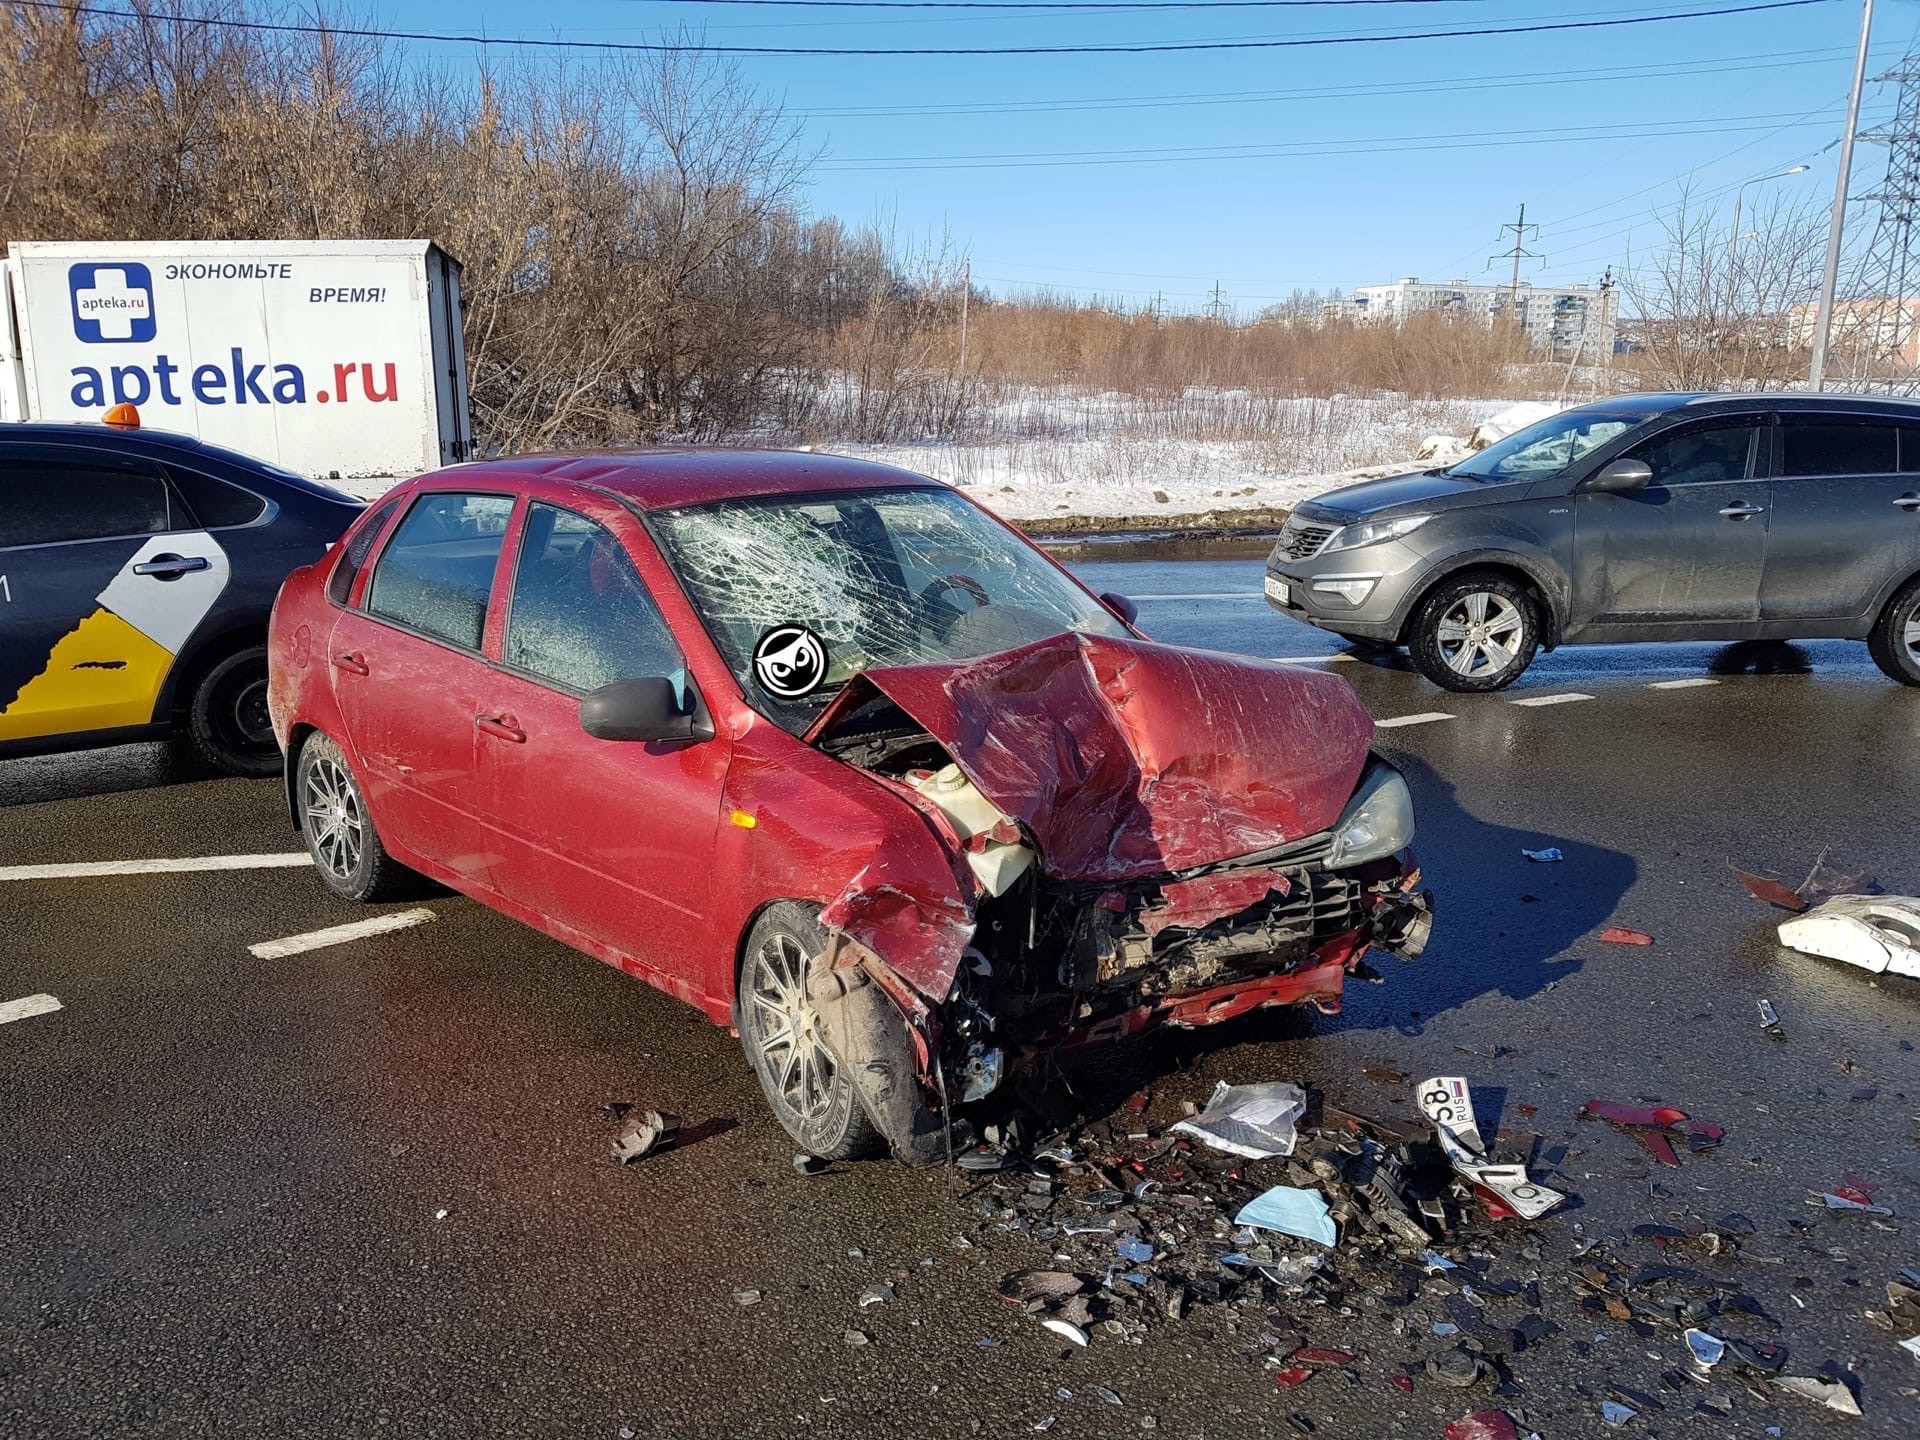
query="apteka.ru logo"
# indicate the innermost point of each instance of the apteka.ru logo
(112, 304)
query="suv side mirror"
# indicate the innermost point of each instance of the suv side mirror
(644, 710)
(1618, 477)
(1121, 606)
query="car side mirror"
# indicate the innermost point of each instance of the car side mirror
(1619, 477)
(646, 709)
(1121, 606)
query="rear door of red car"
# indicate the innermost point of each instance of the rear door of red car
(610, 839)
(409, 669)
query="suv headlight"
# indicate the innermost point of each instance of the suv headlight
(1378, 819)
(1372, 532)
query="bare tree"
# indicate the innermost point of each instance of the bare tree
(1714, 309)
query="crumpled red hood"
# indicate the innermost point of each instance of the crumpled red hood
(1125, 758)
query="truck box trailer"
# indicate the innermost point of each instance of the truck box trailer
(334, 358)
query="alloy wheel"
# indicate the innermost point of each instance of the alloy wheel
(792, 1051)
(1911, 638)
(1480, 634)
(334, 818)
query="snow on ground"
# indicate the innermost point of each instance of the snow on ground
(1039, 455)
(1274, 456)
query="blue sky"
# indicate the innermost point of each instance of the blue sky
(1115, 174)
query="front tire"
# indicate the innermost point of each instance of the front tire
(227, 716)
(1895, 640)
(1475, 633)
(811, 1097)
(339, 831)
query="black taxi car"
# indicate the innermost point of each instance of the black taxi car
(137, 571)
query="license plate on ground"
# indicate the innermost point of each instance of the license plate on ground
(1279, 590)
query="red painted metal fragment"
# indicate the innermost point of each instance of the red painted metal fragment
(1293, 1375)
(1191, 904)
(1402, 1383)
(1772, 891)
(1482, 1425)
(1314, 1355)
(1657, 1145)
(1658, 1117)
(1621, 935)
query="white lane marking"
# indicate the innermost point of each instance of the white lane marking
(1203, 595)
(87, 869)
(1566, 699)
(1309, 659)
(26, 1007)
(1426, 717)
(338, 934)
(1681, 684)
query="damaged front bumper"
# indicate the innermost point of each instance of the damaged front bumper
(1053, 972)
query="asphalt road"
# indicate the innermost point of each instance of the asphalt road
(366, 1189)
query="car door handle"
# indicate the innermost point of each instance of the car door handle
(1740, 510)
(1909, 502)
(353, 664)
(504, 727)
(172, 567)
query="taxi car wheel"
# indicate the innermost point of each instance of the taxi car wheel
(339, 831)
(781, 1031)
(227, 715)
(1475, 633)
(1895, 641)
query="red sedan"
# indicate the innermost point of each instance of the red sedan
(828, 751)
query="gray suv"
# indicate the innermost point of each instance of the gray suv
(1643, 517)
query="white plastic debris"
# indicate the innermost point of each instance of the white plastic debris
(1447, 1102)
(1880, 933)
(1614, 1413)
(1707, 1348)
(1841, 1202)
(1253, 1121)
(1830, 1393)
(1912, 1346)
(1066, 1330)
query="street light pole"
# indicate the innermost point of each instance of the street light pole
(1733, 240)
(1829, 277)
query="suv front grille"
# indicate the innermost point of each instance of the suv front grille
(1301, 539)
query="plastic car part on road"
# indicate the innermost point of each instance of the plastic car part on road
(1255, 1121)
(1880, 933)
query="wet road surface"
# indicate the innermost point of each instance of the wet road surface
(365, 1189)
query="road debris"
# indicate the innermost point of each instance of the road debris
(1291, 1211)
(744, 1298)
(1621, 935)
(1880, 933)
(810, 1165)
(878, 1293)
(1649, 1124)
(856, 1338)
(1067, 1330)
(1254, 1121)
(1549, 856)
(1616, 1414)
(1707, 1349)
(1447, 1102)
(645, 1134)
(1830, 1393)
(1770, 1021)
(1482, 1425)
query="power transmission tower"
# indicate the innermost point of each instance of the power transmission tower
(1217, 306)
(1880, 333)
(1518, 253)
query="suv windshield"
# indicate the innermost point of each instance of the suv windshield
(880, 577)
(1549, 446)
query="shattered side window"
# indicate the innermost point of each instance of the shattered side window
(882, 577)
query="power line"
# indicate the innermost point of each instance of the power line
(1777, 60)
(1461, 140)
(659, 47)
(1065, 4)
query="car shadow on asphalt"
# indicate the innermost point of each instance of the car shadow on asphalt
(116, 770)
(1503, 924)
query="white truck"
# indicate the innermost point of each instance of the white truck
(339, 359)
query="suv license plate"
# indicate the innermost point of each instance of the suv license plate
(1279, 590)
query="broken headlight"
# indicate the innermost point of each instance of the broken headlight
(1378, 819)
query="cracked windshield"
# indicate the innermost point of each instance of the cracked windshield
(887, 577)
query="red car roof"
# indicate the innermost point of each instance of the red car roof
(659, 479)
